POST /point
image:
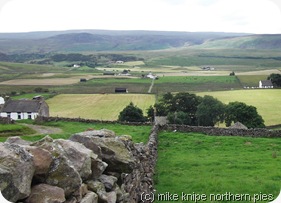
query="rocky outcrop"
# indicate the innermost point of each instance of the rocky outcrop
(90, 167)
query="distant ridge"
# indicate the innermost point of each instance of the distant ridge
(118, 40)
(268, 41)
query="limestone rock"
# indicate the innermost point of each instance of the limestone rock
(108, 181)
(42, 159)
(79, 156)
(111, 150)
(44, 193)
(16, 171)
(17, 140)
(90, 197)
(62, 173)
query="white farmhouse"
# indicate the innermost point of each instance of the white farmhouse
(25, 109)
(265, 84)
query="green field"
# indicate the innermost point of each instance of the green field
(267, 101)
(96, 106)
(200, 164)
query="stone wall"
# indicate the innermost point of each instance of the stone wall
(83, 120)
(91, 167)
(6, 120)
(260, 132)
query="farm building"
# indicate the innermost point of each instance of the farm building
(238, 125)
(25, 109)
(121, 90)
(2, 101)
(265, 84)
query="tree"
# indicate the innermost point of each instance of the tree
(246, 114)
(210, 111)
(150, 113)
(179, 117)
(131, 113)
(275, 79)
(181, 102)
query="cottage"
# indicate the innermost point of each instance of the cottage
(265, 84)
(25, 109)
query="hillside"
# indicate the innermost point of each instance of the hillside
(102, 40)
(245, 42)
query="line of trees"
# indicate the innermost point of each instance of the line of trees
(190, 109)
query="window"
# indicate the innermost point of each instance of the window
(9, 114)
(29, 115)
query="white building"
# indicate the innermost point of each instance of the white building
(2, 101)
(25, 109)
(265, 84)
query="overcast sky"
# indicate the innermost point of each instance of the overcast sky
(251, 16)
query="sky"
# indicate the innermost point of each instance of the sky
(247, 16)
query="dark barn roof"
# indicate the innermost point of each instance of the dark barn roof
(21, 106)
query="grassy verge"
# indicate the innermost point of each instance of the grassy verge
(7, 130)
(139, 133)
(200, 164)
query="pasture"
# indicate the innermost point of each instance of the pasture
(199, 164)
(96, 106)
(267, 101)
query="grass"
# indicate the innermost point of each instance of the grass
(138, 134)
(267, 101)
(96, 106)
(251, 80)
(200, 164)
(7, 130)
(196, 83)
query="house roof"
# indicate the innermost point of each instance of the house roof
(266, 83)
(22, 106)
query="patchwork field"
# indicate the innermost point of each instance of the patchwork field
(96, 106)
(267, 101)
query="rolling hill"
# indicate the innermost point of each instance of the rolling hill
(246, 42)
(102, 40)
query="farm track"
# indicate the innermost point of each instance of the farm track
(151, 86)
(43, 129)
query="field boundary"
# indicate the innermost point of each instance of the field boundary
(214, 131)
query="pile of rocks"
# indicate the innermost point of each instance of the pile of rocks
(92, 166)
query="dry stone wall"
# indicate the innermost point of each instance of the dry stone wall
(258, 132)
(91, 167)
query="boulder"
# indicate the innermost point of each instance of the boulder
(111, 150)
(79, 156)
(17, 140)
(90, 197)
(42, 159)
(108, 182)
(98, 167)
(44, 193)
(62, 173)
(16, 171)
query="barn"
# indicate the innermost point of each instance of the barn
(265, 84)
(121, 90)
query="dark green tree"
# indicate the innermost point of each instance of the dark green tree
(275, 79)
(131, 113)
(246, 114)
(150, 113)
(210, 111)
(161, 109)
(180, 102)
(179, 117)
